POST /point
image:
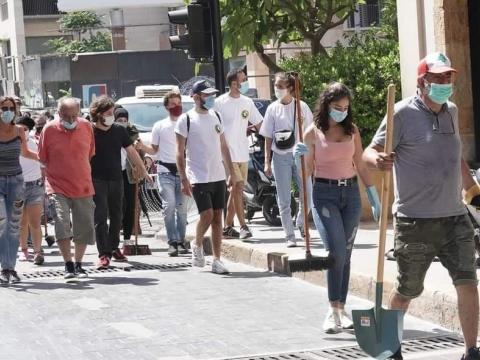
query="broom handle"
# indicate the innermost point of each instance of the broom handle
(135, 221)
(387, 176)
(302, 159)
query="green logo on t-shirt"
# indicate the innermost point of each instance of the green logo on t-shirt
(245, 114)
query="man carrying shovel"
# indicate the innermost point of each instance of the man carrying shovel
(429, 174)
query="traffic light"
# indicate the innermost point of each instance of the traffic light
(197, 40)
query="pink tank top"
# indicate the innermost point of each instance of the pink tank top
(333, 160)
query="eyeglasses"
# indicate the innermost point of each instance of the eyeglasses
(444, 128)
(5, 108)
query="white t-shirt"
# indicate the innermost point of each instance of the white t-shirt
(204, 153)
(123, 157)
(30, 168)
(236, 113)
(280, 117)
(163, 136)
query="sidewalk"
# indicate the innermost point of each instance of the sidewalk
(268, 251)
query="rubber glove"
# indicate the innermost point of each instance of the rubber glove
(374, 201)
(300, 149)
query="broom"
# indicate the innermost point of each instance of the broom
(310, 262)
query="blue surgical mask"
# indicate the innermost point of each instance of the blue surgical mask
(209, 102)
(8, 116)
(244, 87)
(69, 126)
(439, 93)
(338, 116)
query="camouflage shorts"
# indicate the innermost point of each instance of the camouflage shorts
(418, 241)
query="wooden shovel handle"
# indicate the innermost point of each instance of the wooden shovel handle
(387, 177)
(302, 159)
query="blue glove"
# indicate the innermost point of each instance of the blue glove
(374, 201)
(300, 149)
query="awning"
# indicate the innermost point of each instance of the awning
(76, 5)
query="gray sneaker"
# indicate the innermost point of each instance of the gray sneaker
(245, 232)
(198, 258)
(5, 277)
(230, 233)
(14, 278)
(291, 243)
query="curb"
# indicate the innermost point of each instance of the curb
(433, 306)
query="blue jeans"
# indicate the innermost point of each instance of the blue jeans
(174, 207)
(12, 195)
(339, 208)
(284, 169)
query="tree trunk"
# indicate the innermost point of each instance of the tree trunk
(272, 65)
(317, 48)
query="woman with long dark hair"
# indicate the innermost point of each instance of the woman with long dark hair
(333, 149)
(13, 143)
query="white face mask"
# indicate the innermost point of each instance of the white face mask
(280, 93)
(108, 120)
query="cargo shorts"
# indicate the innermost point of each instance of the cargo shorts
(418, 241)
(74, 219)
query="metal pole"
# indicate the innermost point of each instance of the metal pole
(217, 47)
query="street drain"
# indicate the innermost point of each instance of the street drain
(138, 266)
(446, 342)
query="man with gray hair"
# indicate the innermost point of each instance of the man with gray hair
(65, 148)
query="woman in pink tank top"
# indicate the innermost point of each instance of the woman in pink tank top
(333, 150)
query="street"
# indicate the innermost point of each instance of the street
(173, 312)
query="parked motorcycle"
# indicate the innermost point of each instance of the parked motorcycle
(260, 191)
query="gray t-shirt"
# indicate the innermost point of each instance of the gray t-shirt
(427, 168)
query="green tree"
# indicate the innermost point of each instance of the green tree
(81, 25)
(250, 24)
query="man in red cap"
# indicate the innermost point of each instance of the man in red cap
(429, 172)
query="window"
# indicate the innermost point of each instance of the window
(4, 11)
(365, 15)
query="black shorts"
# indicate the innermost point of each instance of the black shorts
(209, 195)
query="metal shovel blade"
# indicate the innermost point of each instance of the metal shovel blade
(378, 331)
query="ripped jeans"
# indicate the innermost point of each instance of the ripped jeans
(339, 208)
(11, 205)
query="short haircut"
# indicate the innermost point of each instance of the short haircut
(25, 120)
(233, 75)
(170, 95)
(99, 106)
(67, 101)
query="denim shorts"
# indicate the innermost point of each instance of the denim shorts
(34, 193)
(418, 241)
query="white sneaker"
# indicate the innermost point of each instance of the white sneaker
(245, 233)
(345, 320)
(332, 323)
(291, 243)
(219, 268)
(198, 258)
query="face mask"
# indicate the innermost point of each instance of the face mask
(439, 93)
(108, 120)
(280, 93)
(8, 116)
(338, 116)
(69, 126)
(175, 111)
(244, 87)
(209, 102)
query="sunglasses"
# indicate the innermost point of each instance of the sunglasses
(5, 108)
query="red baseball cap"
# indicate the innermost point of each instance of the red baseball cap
(436, 63)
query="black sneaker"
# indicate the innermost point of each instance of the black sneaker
(14, 278)
(173, 249)
(473, 354)
(5, 277)
(182, 248)
(79, 271)
(69, 271)
(397, 355)
(230, 233)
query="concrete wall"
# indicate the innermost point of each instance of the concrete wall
(439, 25)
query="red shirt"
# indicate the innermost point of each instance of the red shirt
(66, 156)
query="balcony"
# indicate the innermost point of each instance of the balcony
(40, 7)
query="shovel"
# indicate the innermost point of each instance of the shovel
(379, 331)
